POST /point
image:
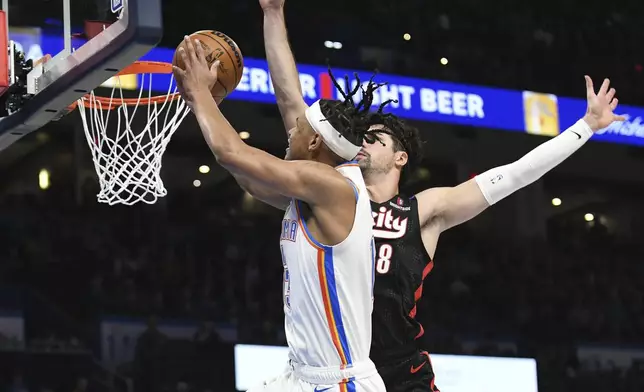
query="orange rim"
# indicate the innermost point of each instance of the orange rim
(136, 68)
(149, 67)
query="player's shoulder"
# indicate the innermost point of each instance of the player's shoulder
(349, 164)
(431, 196)
(305, 163)
(350, 169)
(431, 204)
(352, 172)
(317, 169)
(327, 185)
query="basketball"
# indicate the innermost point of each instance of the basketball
(218, 46)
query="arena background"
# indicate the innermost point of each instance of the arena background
(155, 298)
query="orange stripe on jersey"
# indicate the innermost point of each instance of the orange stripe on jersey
(352, 164)
(324, 288)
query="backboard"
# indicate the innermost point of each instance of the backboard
(31, 95)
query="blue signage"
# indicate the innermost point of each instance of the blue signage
(420, 99)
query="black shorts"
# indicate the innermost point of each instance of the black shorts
(413, 374)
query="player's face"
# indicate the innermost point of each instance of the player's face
(380, 157)
(299, 139)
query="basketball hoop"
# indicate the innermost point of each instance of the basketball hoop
(127, 160)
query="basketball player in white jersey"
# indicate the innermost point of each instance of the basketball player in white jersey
(326, 236)
(402, 365)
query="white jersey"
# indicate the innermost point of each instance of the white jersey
(328, 290)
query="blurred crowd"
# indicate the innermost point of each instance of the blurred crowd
(212, 261)
(221, 265)
(545, 47)
(141, 261)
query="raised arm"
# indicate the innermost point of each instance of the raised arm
(449, 207)
(314, 183)
(263, 193)
(281, 64)
(311, 182)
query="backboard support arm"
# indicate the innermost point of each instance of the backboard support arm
(67, 79)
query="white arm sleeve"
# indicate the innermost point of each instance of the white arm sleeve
(500, 182)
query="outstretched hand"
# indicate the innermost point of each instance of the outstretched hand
(197, 77)
(601, 106)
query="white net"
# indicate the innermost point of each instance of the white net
(128, 158)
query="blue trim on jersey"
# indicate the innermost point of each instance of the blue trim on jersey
(335, 302)
(351, 386)
(373, 265)
(355, 189)
(306, 228)
(349, 163)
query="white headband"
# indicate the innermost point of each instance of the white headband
(332, 138)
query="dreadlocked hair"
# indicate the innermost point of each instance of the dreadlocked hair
(354, 120)
(349, 118)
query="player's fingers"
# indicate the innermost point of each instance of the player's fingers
(610, 95)
(604, 88)
(590, 89)
(184, 58)
(613, 104)
(619, 118)
(190, 48)
(196, 46)
(178, 71)
(215, 67)
(199, 50)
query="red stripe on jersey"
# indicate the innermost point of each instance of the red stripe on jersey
(419, 293)
(432, 384)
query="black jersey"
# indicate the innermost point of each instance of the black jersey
(401, 265)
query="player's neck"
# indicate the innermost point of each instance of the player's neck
(382, 187)
(326, 159)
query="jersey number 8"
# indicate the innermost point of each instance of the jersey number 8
(383, 263)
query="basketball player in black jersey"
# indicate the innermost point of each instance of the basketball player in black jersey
(407, 228)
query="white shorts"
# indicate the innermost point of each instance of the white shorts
(361, 378)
